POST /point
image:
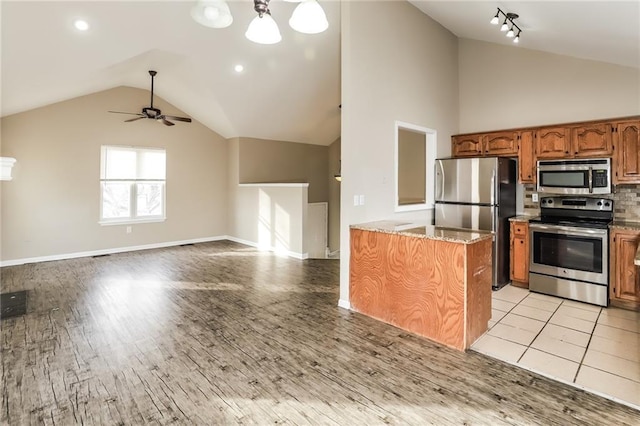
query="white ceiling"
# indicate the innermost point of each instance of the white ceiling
(288, 91)
(607, 31)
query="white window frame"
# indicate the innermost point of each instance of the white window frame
(133, 192)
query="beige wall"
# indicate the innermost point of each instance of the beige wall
(272, 216)
(403, 68)
(52, 205)
(334, 196)
(267, 216)
(262, 160)
(505, 87)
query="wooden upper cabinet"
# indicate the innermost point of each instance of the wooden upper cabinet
(466, 146)
(592, 140)
(503, 144)
(626, 162)
(625, 279)
(526, 157)
(553, 142)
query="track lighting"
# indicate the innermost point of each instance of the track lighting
(508, 19)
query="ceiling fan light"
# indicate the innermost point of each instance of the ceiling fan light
(263, 30)
(309, 18)
(212, 13)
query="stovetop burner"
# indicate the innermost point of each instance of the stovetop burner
(576, 211)
(575, 222)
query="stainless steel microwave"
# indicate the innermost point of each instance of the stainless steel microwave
(575, 177)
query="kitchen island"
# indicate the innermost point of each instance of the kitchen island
(435, 282)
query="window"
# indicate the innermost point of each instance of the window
(132, 184)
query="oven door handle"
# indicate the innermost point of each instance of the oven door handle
(568, 229)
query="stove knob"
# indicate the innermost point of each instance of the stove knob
(550, 201)
(599, 203)
(544, 201)
(607, 204)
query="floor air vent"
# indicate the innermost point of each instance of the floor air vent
(13, 304)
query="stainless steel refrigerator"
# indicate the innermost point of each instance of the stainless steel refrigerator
(479, 194)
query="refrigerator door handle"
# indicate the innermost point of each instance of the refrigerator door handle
(439, 180)
(493, 188)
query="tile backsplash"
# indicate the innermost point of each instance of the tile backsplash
(626, 202)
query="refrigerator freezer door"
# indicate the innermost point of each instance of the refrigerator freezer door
(465, 216)
(466, 180)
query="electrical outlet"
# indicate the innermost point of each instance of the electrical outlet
(534, 197)
(128, 229)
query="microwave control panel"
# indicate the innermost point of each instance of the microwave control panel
(600, 179)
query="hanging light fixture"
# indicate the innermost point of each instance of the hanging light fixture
(508, 25)
(263, 29)
(309, 18)
(212, 13)
(338, 176)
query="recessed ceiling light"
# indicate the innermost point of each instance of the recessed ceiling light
(238, 68)
(81, 25)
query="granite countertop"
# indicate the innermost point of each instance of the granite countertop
(521, 218)
(623, 224)
(422, 230)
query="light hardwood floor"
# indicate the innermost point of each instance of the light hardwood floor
(219, 333)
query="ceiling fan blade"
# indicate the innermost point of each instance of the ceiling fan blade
(134, 119)
(173, 117)
(129, 113)
(166, 122)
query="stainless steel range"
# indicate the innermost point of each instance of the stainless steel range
(570, 249)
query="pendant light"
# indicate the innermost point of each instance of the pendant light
(263, 29)
(309, 18)
(212, 13)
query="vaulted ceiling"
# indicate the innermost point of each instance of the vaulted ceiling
(287, 91)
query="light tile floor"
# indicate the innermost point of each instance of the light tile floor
(593, 348)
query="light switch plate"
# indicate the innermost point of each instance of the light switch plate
(356, 200)
(362, 200)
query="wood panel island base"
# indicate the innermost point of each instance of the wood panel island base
(430, 281)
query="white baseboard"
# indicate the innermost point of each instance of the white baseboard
(344, 304)
(108, 251)
(295, 255)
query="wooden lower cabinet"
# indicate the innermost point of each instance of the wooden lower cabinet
(519, 254)
(438, 289)
(624, 288)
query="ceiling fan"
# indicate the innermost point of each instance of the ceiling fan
(153, 113)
